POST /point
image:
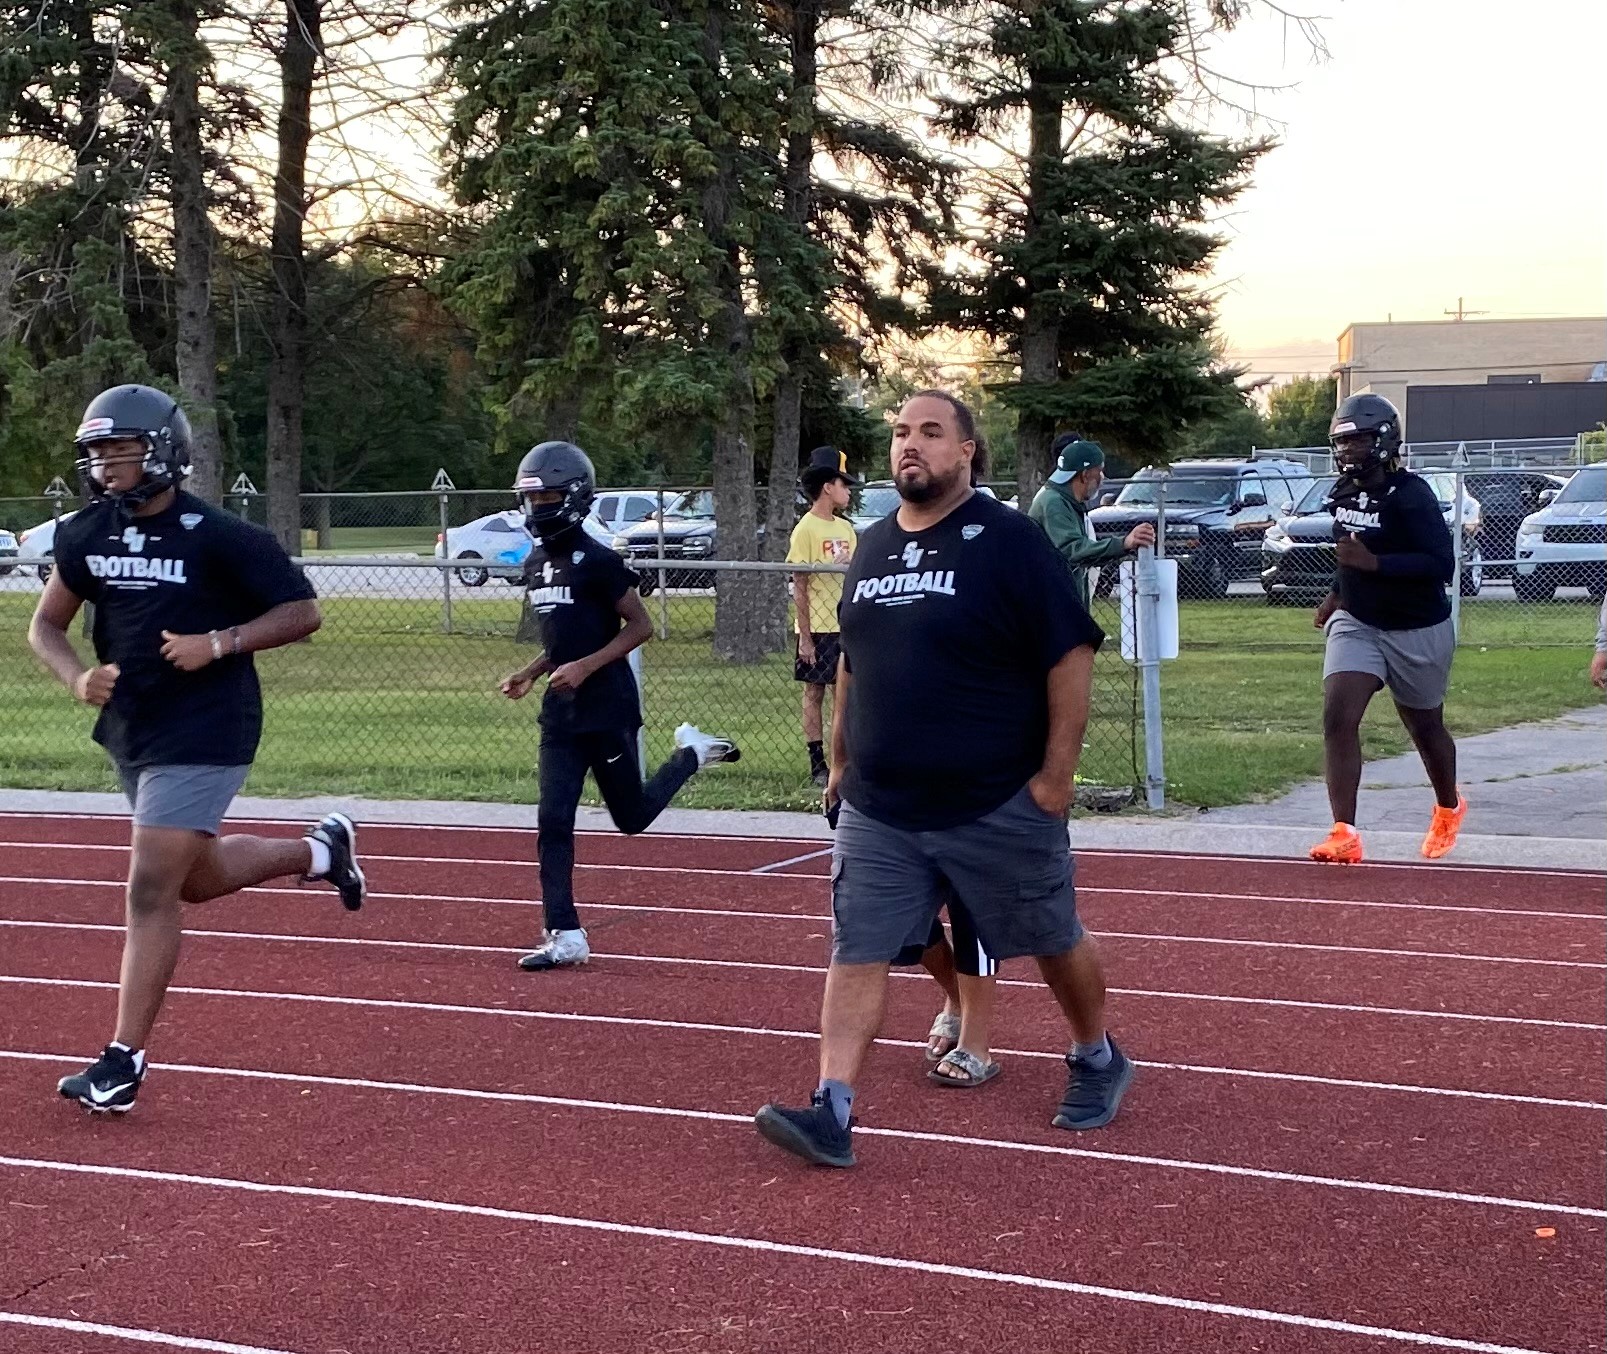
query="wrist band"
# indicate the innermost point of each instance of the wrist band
(217, 644)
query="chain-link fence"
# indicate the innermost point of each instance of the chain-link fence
(1255, 549)
(397, 694)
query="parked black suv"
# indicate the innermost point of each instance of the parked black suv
(1216, 514)
(1297, 556)
(689, 534)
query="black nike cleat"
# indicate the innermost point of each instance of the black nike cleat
(339, 834)
(109, 1084)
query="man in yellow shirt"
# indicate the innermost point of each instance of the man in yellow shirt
(821, 537)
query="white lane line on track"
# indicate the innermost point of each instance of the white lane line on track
(792, 860)
(756, 1244)
(1101, 934)
(137, 1335)
(817, 971)
(771, 871)
(906, 1135)
(761, 1031)
(1111, 853)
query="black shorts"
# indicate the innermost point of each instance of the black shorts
(823, 671)
(970, 957)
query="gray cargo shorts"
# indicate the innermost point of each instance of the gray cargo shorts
(1414, 664)
(190, 797)
(1011, 870)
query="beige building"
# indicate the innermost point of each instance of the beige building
(1386, 358)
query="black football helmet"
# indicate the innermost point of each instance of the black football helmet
(562, 466)
(1367, 413)
(145, 415)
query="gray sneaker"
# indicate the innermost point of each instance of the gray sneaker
(559, 949)
(708, 748)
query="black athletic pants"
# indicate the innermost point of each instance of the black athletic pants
(612, 759)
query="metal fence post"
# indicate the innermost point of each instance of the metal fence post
(443, 486)
(1456, 545)
(1147, 587)
(663, 575)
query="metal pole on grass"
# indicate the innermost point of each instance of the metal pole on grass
(663, 575)
(443, 485)
(1459, 462)
(1148, 588)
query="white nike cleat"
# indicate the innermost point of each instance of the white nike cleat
(708, 748)
(559, 949)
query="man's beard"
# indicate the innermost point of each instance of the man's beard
(932, 488)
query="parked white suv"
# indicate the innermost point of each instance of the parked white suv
(1564, 545)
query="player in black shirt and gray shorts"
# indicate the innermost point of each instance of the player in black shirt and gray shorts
(1387, 621)
(591, 617)
(183, 594)
(967, 665)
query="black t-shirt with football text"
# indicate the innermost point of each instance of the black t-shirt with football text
(575, 592)
(1403, 525)
(189, 569)
(949, 636)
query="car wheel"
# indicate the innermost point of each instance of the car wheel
(1472, 573)
(472, 577)
(1214, 577)
(1535, 587)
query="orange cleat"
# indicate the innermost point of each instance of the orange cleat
(1342, 846)
(1442, 831)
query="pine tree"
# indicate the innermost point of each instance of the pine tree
(1093, 234)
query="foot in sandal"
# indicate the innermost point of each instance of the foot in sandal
(962, 1069)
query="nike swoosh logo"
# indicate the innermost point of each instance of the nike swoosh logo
(612, 760)
(101, 1097)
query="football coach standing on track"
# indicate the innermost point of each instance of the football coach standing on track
(963, 696)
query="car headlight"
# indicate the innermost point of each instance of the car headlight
(697, 545)
(1187, 535)
(1530, 530)
(621, 544)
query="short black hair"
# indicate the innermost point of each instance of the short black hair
(814, 480)
(969, 431)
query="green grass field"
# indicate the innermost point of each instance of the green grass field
(374, 541)
(382, 703)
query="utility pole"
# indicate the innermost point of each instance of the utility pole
(1461, 313)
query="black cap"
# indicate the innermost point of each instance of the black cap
(827, 463)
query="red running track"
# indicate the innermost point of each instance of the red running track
(1330, 1147)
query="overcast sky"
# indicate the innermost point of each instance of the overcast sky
(1449, 148)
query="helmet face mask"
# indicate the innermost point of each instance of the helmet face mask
(559, 468)
(140, 414)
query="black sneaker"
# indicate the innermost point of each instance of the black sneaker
(813, 1134)
(109, 1084)
(339, 834)
(1093, 1094)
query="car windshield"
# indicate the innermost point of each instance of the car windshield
(1183, 488)
(1588, 486)
(698, 503)
(877, 500)
(1315, 498)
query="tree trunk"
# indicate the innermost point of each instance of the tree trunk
(192, 263)
(739, 598)
(287, 371)
(796, 210)
(1040, 331)
(563, 417)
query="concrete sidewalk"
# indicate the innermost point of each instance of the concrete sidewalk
(1538, 796)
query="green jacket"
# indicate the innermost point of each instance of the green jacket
(1066, 521)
